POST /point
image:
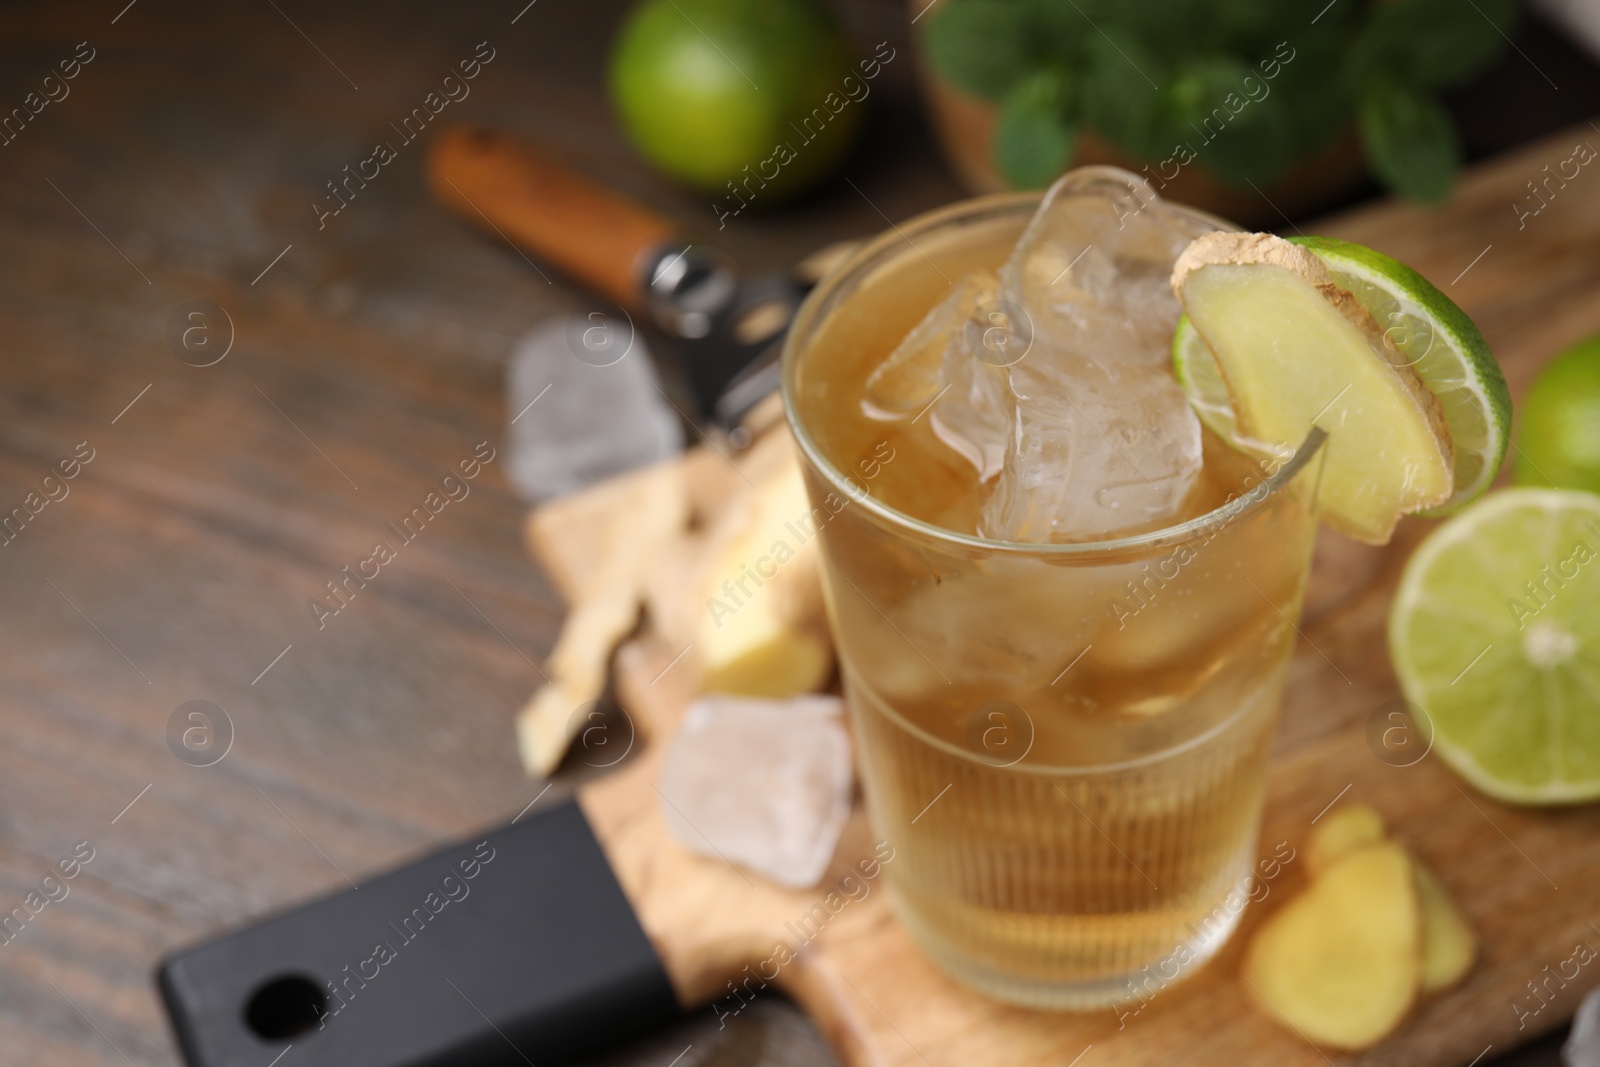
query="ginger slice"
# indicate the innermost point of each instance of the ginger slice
(1341, 832)
(1296, 350)
(1341, 963)
(1449, 946)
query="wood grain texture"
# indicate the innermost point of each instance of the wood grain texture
(196, 142)
(1527, 879)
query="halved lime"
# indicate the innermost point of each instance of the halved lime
(1495, 634)
(1434, 337)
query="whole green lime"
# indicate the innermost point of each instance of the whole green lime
(1560, 438)
(709, 88)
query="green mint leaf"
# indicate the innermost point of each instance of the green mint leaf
(1033, 141)
(1226, 114)
(980, 46)
(1409, 140)
(1056, 30)
(1432, 43)
(1160, 28)
(1120, 97)
(1312, 90)
(1196, 90)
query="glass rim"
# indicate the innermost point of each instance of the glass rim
(876, 252)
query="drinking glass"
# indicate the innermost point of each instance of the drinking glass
(1066, 744)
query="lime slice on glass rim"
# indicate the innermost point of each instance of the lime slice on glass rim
(1286, 353)
(1495, 635)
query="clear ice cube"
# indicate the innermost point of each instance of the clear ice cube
(1094, 265)
(765, 784)
(1090, 454)
(909, 379)
(937, 370)
(607, 415)
(1583, 1043)
(1100, 439)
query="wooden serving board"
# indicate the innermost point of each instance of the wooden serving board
(1529, 880)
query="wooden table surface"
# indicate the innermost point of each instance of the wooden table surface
(366, 361)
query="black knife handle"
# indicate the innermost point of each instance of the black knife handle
(516, 946)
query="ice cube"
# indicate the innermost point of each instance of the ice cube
(1583, 1043)
(1100, 439)
(605, 415)
(908, 380)
(1097, 257)
(936, 365)
(1090, 454)
(762, 783)
(972, 415)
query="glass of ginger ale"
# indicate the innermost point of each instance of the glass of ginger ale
(1063, 607)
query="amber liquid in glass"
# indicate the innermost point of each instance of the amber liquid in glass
(1066, 750)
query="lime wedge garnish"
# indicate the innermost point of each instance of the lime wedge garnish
(1446, 349)
(1298, 351)
(1495, 634)
(1432, 334)
(1195, 366)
